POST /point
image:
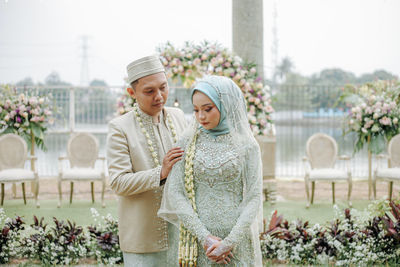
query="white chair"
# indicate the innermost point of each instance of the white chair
(13, 155)
(390, 173)
(322, 153)
(82, 154)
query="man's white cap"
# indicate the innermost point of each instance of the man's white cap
(143, 67)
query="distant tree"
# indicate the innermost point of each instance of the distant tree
(54, 79)
(25, 82)
(334, 76)
(97, 82)
(284, 68)
(296, 78)
(376, 75)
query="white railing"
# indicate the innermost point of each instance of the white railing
(89, 109)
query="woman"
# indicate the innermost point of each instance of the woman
(214, 195)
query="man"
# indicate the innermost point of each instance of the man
(140, 155)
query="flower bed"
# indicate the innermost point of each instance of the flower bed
(356, 238)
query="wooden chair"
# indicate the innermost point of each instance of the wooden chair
(13, 156)
(322, 153)
(82, 154)
(391, 173)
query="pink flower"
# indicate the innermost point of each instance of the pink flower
(385, 121)
(33, 101)
(269, 109)
(197, 61)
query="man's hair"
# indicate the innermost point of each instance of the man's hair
(134, 84)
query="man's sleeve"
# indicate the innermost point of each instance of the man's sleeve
(124, 181)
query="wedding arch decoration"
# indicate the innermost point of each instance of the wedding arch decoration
(192, 61)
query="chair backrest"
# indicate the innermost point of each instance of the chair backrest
(394, 151)
(13, 152)
(321, 150)
(82, 150)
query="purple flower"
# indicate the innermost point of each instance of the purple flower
(18, 119)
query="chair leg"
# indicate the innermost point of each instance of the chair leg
(349, 193)
(92, 188)
(71, 193)
(374, 188)
(333, 192)
(103, 204)
(23, 192)
(390, 190)
(307, 193)
(37, 194)
(312, 191)
(14, 190)
(2, 194)
(59, 194)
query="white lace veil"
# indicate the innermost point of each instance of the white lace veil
(236, 115)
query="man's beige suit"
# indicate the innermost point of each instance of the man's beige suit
(136, 180)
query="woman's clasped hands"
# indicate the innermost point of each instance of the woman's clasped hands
(217, 250)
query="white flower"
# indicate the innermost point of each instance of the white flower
(375, 128)
(395, 120)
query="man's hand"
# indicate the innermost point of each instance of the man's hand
(172, 156)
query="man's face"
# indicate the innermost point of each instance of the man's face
(151, 93)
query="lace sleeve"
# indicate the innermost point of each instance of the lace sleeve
(251, 206)
(175, 205)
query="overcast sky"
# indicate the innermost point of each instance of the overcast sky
(41, 36)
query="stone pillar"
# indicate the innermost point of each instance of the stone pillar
(247, 31)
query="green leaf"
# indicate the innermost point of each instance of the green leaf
(377, 144)
(37, 130)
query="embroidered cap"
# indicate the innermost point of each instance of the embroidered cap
(143, 67)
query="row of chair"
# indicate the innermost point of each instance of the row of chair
(82, 154)
(322, 154)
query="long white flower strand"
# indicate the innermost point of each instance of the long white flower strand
(188, 242)
(146, 134)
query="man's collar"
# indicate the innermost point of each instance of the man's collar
(146, 118)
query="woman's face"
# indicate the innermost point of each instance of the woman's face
(207, 114)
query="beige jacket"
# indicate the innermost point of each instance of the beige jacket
(135, 179)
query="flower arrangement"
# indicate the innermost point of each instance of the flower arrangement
(349, 240)
(195, 61)
(64, 243)
(26, 114)
(353, 238)
(374, 113)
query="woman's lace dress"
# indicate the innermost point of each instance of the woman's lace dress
(221, 182)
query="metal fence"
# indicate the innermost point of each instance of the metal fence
(300, 112)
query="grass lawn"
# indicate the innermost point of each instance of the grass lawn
(79, 211)
(320, 212)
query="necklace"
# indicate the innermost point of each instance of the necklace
(146, 134)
